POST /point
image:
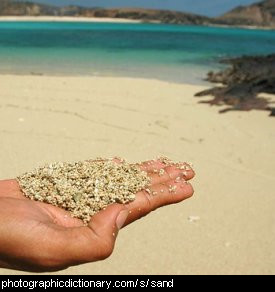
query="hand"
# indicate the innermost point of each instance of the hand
(38, 237)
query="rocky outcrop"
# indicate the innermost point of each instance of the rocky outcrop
(259, 14)
(242, 82)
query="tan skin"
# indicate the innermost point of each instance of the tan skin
(39, 237)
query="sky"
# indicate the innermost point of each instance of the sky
(203, 7)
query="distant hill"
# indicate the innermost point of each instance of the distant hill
(259, 14)
(14, 8)
(163, 16)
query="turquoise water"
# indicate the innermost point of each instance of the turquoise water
(168, 52)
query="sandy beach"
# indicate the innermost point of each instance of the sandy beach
(106, 19)
(226, 228)
(66, 19)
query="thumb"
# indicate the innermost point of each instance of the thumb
(106, 225)
(97, 241)
(108, 222)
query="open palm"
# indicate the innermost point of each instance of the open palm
(35, 236)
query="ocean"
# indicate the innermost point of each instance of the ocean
(174, 53)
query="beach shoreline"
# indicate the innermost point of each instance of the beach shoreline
(66, 19)
(47, 18)
(49, 118)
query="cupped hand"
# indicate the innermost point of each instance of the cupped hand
(38, 237)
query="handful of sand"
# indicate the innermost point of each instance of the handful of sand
(84, 188)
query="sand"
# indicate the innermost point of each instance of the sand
(67, 19)
(226, 228)
(84, 187)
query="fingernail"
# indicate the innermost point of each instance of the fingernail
(121, 218)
